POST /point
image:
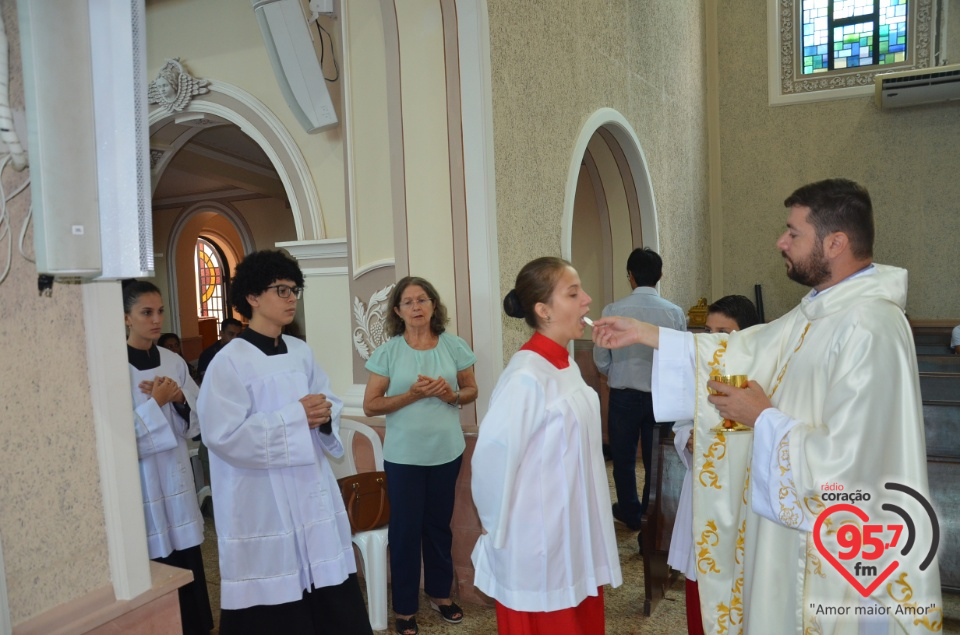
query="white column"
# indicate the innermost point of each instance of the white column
(116, 440)
(5, 626)
(326, 306)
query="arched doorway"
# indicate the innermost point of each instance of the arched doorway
(609, 210)
(609, 207)
(224, 169)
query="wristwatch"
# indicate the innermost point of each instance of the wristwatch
(456, 402)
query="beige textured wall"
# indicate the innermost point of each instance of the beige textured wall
(555, 63)
(908, 159)
(51, 510)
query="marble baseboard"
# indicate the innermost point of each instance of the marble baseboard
(155, 612)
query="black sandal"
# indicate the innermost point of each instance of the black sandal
(450, 612)
(407, 627)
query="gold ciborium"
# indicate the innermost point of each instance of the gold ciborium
(737, 381)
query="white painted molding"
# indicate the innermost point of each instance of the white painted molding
(312, 272)
(623, 132)
(370, 266)
(324, 248)
(288, 147)
(476, 107)
(346, 92)
(6, 627)
(353, 400)
(116, 441)
(234, 193)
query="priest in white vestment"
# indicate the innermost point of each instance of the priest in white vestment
(834, 403)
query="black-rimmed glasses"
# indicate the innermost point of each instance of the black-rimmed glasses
(284, 291)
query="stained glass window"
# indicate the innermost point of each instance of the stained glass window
(845, 34)
(211, 287)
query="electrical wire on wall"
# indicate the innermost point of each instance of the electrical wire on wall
(333, 52)
(16, 156)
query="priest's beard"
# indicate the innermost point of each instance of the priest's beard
(812, 270)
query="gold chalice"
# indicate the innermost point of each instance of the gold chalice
(737, 381)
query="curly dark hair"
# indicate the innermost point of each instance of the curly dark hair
(258, 271)
(393, 325)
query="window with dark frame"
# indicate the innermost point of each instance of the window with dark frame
(210, 264)
(846, 34)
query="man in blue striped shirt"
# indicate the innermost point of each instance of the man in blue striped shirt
(630, 419)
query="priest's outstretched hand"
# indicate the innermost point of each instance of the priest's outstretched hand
(617, 332)
(743, 405)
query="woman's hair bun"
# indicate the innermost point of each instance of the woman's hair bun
(511, 305)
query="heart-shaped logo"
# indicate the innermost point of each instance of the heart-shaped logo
(883, 575)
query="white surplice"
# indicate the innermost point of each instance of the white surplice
(281, 524)
(540, 487)
(841, 371)
(682, 554)
(170, 506)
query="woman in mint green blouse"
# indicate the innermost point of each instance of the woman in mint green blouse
(419, 379)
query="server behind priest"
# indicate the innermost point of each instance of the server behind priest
(630, 418)
(268, 417)
(164, 396)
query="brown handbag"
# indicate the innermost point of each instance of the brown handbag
(365, 498)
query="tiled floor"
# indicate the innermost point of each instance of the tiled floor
(623, 605)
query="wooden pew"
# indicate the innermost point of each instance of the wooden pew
(942, 474)
(667, 472)
(940, 387)
(931, 349)
(941, 422)
(938, 363)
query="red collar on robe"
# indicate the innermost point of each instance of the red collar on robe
(548, 349)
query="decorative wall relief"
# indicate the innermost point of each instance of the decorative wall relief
(174, 87)
(369, 334)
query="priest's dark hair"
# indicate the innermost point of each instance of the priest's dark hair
(132, 289)
(646, 266)
(839, 205)
(258, 271)
(393, 324)
(738, 308)
(535, 283)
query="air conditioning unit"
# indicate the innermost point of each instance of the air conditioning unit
(918, 86)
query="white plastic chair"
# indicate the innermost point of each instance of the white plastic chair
(372, 544)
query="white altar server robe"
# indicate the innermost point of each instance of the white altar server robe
(540, 487)
(170, 506)
(682, 555)
(281, 524)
